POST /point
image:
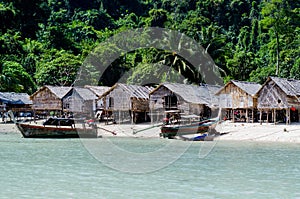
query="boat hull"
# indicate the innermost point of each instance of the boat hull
(32, 131)
(169, 131)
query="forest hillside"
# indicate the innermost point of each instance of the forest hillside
(45, 42)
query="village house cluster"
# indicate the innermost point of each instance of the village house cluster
(277, 100)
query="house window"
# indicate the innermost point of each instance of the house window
(170, 101)
(67, 103)
(111, 102)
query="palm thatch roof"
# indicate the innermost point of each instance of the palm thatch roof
(97, 90)
(193, 94)
(85, 93)
(290, 87)
(15, 98)
(250, 88)
(133, 91)
(59, 91)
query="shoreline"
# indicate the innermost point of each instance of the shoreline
(256, 132)
(246, 132)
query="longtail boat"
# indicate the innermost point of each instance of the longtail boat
(59, 128)
(170, 131)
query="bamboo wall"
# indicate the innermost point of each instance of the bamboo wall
(271, 97)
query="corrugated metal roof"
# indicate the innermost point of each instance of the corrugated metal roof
(15, 98)
(85, 93)
(289, 86)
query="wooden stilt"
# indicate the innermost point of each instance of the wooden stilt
(233, 116)
(247, 116)
(267, 116)
(286, 117)
(151, 116)
(252, 115)
(274, 116)
(288, 114)
(34, 116)
(260, 116)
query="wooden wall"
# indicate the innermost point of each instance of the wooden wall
(235, 98)
(46, 100)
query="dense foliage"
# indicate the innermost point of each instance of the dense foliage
(45, 42)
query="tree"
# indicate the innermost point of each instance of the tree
(14, 78)
(275, 18)
(57, 68)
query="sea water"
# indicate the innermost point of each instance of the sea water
(64, 168)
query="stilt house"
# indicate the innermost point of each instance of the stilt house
(127, 102)
(239, 100)
(16, 102)
(80, 101)
(98, 91)
(184, 98)
(49, 99)
(279, 100)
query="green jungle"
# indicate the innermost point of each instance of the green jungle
(46, 42)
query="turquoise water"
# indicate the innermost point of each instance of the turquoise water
(45, 168)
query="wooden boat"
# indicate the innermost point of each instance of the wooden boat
(58, 128)
(170, 131)
(202, 137)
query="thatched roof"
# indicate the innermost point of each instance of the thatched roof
(134, 91)
(290, 87)
(250, 88)
(194, 94)
(98, 90)
(85, 93)
(15, 98)
(59, 91)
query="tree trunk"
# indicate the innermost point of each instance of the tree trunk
(277, 53)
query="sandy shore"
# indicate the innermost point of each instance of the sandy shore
(6, 128)
(260, 132)
(231, 131)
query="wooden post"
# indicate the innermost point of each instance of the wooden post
(247, 117)
(34, 115)
(260, 116)
(274, 116)
(233, 118)
(151, 115)
(267, 116)
(288, 119)
(252, 115)
(286, 116)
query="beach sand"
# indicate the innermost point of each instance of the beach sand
(8, 128)
(232, 131)
(260, 132)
